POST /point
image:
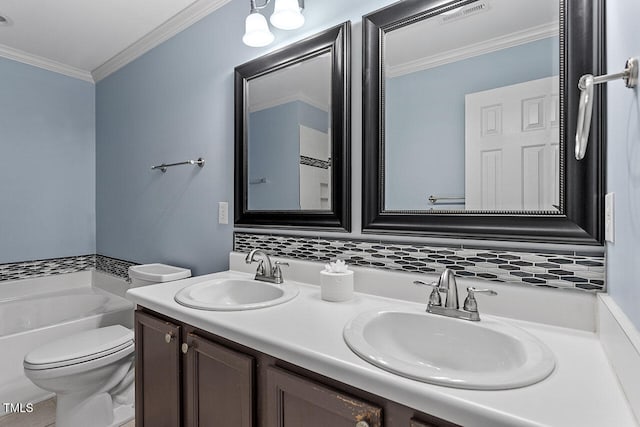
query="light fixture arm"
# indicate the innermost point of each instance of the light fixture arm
(255, 7)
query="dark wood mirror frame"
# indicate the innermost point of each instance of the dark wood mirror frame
(582, 182)
(335, 40)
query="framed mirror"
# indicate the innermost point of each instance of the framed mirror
(469, 120)
(292, 135)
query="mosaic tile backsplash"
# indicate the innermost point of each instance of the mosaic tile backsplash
(561, 269)
(48, 267)
(114, 266)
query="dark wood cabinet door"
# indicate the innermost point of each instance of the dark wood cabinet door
(416, 423)
(218, 385)
(294, 401)
(157, 372)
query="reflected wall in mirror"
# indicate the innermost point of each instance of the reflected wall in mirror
(472, 120)
(465, 119)
(289, 137)
(293, 135)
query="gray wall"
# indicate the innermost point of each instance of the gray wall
(425, 119)
(47, 164)
(175, 103)
(623, 160)
(274, 153)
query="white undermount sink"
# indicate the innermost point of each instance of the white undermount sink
(233, 294)
(484, 355)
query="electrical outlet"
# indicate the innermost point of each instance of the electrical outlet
(609, 218)
(223, 212)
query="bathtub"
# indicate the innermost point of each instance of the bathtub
(36, 311)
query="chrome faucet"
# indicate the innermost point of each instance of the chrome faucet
(451, 308)
(266, 271)
(447, 283)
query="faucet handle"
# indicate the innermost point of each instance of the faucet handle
(277, 272)
(434, 298)
(470, 303)
(421, 283)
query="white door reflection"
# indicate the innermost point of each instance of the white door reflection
(315, 169)
(512, 147)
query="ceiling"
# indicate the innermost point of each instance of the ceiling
(89, 39)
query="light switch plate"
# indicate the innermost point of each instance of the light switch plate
(223, 212)
(609, 218)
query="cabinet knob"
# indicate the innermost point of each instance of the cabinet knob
(185, 348)
(362, 424)
(168, 337)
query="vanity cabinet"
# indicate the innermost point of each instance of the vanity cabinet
(189, 377)
(184, 379)
(417, 423)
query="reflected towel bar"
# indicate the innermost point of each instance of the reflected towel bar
(457, 199)
(163, 167)
(585, 107)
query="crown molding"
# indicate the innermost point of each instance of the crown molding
(44, 63)
(174, 25)
(298, 96)
(487, 46)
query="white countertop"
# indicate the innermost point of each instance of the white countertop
(307, 331)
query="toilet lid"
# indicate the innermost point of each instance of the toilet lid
(81, 347)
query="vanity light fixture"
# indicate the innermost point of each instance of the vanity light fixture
(287, 15)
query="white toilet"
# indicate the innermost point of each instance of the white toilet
(87, 371)
(92, 372)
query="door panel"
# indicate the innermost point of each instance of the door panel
(157, 372)
(218, 385)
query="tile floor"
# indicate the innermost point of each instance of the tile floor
(43, 415)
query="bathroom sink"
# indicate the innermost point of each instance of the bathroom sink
(484, 355)
(235, 294)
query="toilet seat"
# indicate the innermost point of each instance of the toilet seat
(82, 348)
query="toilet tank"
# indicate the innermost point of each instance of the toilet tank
(148, 274)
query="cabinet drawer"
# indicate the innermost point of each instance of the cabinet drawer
(417, 423)
(294, 401)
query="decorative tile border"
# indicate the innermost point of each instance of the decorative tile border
(46, 267)
(561, 269)
(316, 163)
(49, 267)
(114, 266)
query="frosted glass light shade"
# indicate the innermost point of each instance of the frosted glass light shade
(256, 33)
(286, 15)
